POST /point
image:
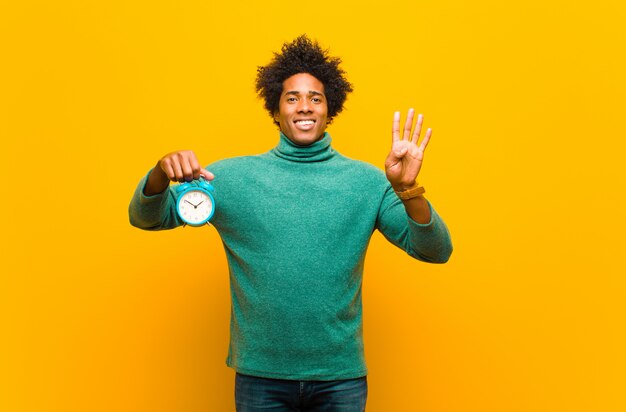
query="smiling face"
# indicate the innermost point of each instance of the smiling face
(302, 110)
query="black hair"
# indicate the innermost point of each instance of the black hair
(303, 55)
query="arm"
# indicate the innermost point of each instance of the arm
(428, 242)
(153, 212)
(153, 206)
(427, 237)
(418, 209)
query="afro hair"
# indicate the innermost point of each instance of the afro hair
(303, 56)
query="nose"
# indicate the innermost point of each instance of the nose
(304, 106)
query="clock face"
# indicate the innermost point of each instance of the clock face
(195, 207)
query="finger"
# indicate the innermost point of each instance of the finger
(195, 166)
(185, 166)
(167, 169)
(392, 160)
(395, 129)
(429, 132)
(207, 175)
(398, 154)
(408, 125)
(178, 170)
(418, 128)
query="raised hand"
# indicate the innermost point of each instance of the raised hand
(405, 159)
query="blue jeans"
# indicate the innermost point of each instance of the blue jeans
(261, 394)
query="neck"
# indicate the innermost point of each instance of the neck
(317, 151)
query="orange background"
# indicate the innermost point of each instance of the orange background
(525, 165)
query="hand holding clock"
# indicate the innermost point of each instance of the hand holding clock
(180, 166)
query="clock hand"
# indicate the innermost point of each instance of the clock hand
(190, 203)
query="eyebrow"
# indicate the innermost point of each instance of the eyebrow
(311, 92)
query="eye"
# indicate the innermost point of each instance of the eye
(291, 99)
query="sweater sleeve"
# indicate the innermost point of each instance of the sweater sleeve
(157, 212)
(428, 242)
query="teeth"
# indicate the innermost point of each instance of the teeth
(305, 122)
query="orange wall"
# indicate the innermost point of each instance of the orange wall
(525, 165)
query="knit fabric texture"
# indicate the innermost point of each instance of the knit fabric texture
(295, 223)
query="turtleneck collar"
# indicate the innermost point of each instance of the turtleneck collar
(316, 152)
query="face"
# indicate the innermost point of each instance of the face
(302, 110)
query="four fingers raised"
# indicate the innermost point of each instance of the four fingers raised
(408, 125)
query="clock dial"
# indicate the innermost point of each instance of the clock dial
(195, 207)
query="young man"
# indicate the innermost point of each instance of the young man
(295, 223)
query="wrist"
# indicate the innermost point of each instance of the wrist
(405, 192)
(401, 187)
(157, 181)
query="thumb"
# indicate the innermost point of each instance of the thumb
(207, 175)
(397, 154)
(400, 153)
(394, 158)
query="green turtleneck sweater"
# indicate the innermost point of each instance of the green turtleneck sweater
(295, 223)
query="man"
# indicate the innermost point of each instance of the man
(295, 223)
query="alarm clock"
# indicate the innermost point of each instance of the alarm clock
(195, 204)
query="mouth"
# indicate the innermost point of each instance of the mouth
(304, 124)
